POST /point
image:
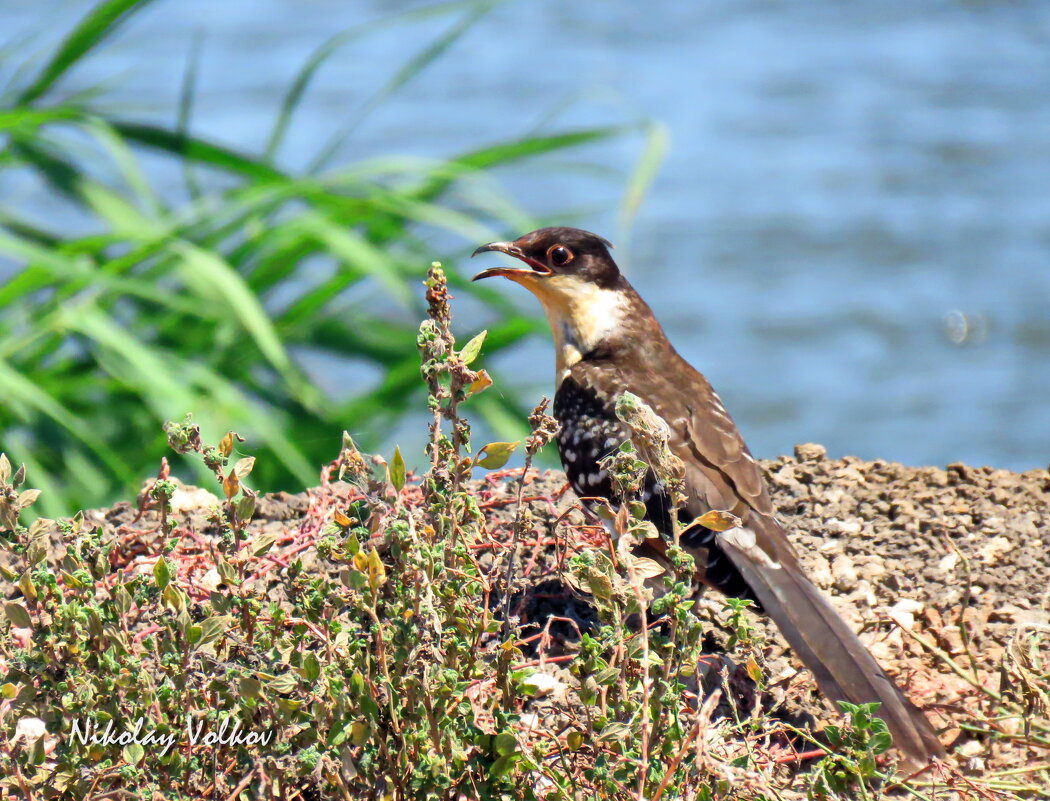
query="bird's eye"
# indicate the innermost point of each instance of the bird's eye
(559, 255)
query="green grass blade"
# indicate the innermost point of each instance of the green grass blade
(530, 147)
(413, 67)
(127, 165)
(123, 218)
(25, 121)
(46, 267)
(100, 22)
(21, 390)
(657, 141)
(212, 276)
(28, 231)
(293, 97)
(198, 150)
(182, 122)
(60, 173)
(505, 153)
(359, 254)
(135, 363)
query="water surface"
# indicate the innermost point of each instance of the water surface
(849, 234)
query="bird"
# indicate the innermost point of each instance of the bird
(608, 341)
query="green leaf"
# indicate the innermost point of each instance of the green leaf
(213, 627)
(245, 507)
(284, 683)
(359, 732)
(473, 348)
(162, 573)
(494, 455)
(311, 667)
(357, 683)
(18, 615)
(397, 470)
(369, 706)
(880, 742)
(614, 732)
(502, 766)
(505, 743)
(133, 753)
(263, 543)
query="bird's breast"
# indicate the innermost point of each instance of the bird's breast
(589, 432)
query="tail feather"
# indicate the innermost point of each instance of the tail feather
(829, 648)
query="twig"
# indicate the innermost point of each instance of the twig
(951, 663)
(241, 785)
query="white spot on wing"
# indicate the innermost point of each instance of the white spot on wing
(743, 539)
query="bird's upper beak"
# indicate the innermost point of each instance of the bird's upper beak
(535, 268)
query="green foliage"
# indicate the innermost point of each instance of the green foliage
(367, 678)
(850, 769)
(150, 307)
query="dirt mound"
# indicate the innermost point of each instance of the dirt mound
(945, 571)
(941, 569)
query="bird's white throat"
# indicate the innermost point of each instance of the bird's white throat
(581, 315)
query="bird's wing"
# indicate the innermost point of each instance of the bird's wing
(721, 474)
(720, 471)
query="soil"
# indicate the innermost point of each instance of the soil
(941, 569)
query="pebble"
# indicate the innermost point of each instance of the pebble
(844, 572)
(30, 729)
(947, 563)
(844, 526)
(820, 571)
(810, 451)
(904, 611)
(543, 683)
(994, 548)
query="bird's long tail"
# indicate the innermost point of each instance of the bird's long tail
(825, 643)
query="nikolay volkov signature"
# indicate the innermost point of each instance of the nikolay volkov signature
(90, 731)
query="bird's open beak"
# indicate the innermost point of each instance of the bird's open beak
(535, 268)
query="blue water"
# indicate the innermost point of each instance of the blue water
(850, 232)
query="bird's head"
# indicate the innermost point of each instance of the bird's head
(557, 259)
(587, 300)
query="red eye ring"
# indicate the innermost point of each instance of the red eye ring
(559, 255)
